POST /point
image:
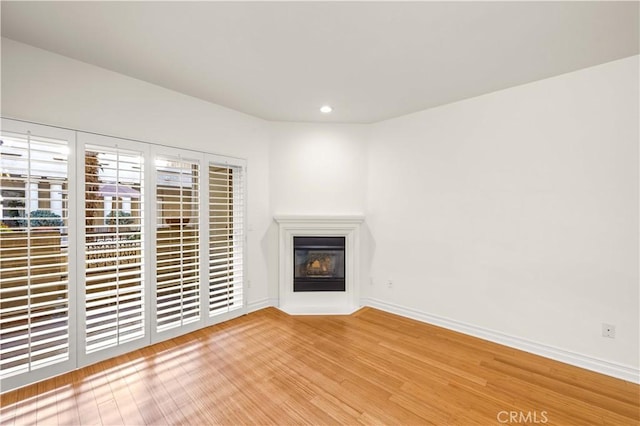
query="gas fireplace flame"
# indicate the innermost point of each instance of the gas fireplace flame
(319, 265)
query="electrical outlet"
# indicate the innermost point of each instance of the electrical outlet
(390, 284)
(609, 330)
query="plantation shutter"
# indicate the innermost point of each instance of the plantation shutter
(226, 236)
(81, 277)
(114, 273)
(177, 242)
(34, 251)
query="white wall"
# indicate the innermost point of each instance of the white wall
(517, 211)
(316, 169)
(46, 88)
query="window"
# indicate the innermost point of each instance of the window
(35, 311)
(144, 244)
(177, 242)
(57, 199)
(114, 237)
(32, 199)
(226, 235)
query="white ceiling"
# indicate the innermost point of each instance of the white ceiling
(370, 60)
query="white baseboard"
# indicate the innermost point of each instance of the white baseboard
(259, 304)
(608, 368)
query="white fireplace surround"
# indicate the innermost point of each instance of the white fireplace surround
(320, 302)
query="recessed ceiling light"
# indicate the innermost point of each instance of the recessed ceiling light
(326, 109)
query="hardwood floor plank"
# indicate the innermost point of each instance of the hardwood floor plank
(8, 405)
(432, 413)
(336, 409)
(370, 368)
(571, 390)
(109, 413)
(86, 404)
(46, 402)
(66, 401)
(26, 405)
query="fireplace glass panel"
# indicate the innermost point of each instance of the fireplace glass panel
(319, 264)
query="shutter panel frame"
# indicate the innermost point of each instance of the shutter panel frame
(129, 262)
(226, 251)
(38, 328)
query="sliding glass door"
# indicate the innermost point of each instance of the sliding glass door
(108, 245)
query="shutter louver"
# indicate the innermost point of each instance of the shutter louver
(177, 243)
(114, 205)
(226, 236)
(34, 279)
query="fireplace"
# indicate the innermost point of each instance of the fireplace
(326, 250)
(319, 264)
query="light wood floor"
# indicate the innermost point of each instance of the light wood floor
(368, 368)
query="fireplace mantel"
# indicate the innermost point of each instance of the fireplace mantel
(319, 303)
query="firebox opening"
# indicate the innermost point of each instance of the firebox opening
(319, 264)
